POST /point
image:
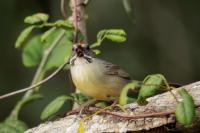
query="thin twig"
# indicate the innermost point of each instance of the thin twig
(62, 9)
(170, 90)
(126, 116)
(42, 64)
(75, 15)
(35, 85)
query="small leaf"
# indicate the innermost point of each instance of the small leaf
(54, 106)
(185, 110)
(32, 52)
(31, 98)
(96, 51)
(116, 38)
(124, 99)
(36, 18)
(7, 129)
(22, 37)
(119, 32)
(17, 124)
(60, 54)
(96, 44)
(66, 24)
(115, 35)
(151, 86)
(102, 104)
(48, 33)
(81, 128)
(80, 98)
(13, 126)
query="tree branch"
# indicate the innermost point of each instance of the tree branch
(78, 18)
(157, 113)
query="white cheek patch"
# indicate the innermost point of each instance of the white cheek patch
(72, 60)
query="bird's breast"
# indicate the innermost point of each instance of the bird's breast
(91, 80)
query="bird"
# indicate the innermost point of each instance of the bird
(95, 77)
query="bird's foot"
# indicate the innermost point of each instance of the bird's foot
(84, 107)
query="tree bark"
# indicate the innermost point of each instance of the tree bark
(135, 119)
(78, 16)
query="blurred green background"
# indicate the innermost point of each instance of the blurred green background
(165, 39)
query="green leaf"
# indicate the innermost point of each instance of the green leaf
(32, 52)
(53, 36)
(115, 35)
(117, 32)
(124, 99)
(7, 129)
(22, 37)
(36, 18)
(17, 124)
(13, 126)
(48, 33)
(60, 54)
(31, 98)
(116, 38)
(54, 106)
(102, 104)
(96, 51)
(151, 85)
(66, 24)
(80, 98)
(185, 110)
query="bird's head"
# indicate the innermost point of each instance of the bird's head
(81, 50)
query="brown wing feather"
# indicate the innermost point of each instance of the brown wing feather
(112, 69)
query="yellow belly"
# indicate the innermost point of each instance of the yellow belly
(91, 80)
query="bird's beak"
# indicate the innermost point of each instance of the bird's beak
(79, 52)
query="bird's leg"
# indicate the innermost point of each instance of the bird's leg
(115, 101)
(115, 104)
(86, 105)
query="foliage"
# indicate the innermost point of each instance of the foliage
(115, 35)
(185, 112)
(46, 50)
(124, 99)
(11, 125)
(32, 52)
(151, 85)
(36, 18)
(24, 34)
(54, 106)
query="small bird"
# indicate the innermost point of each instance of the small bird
(94, 77)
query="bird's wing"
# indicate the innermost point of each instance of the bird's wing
(112, 69)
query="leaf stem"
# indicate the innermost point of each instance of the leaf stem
(169, 89)
(39, 75)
